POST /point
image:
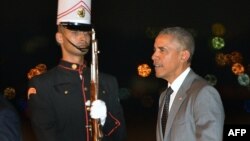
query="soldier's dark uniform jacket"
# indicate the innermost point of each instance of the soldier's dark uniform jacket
(56, 100)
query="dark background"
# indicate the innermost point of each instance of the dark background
(125, 34)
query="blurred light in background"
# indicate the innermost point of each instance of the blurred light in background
(144, 70)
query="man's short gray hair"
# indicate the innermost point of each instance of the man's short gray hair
(183, 37)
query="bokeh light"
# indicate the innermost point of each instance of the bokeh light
(236, 57)
(144, 70)
(9, 93)
(228, 59)
(222, 59)
(218, 43)
(243, 80)
(211, 79)
(218, 29)
(238, 69)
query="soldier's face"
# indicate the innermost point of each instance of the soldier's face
(74, 41)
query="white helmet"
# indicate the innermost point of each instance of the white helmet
(74, 14)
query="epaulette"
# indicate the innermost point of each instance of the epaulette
(37, 70)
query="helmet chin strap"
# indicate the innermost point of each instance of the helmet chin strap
(83, 50)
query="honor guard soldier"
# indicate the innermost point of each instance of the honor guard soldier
(58, 99)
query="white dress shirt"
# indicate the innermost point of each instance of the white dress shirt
(177, 84)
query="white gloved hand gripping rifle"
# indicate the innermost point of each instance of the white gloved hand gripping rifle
(98, 110)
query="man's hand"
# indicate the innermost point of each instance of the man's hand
(98, 110)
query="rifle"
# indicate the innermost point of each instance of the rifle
(94, 89)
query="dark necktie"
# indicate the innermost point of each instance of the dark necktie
(164, 117)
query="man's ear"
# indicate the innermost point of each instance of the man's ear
(59, 38)
(185, 55)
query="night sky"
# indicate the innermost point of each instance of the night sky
(123, 31)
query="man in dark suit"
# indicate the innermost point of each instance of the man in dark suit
(59, 99)
(10, 125)
(195, 111)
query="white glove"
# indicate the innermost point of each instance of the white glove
(98, 110)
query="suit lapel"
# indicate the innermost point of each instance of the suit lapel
(161, 105)
(178, 100)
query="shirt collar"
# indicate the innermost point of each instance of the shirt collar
(71, 66)
(179, 80)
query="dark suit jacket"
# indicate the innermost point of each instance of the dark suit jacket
(57, 105)
(10, 126)
(197, 113)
